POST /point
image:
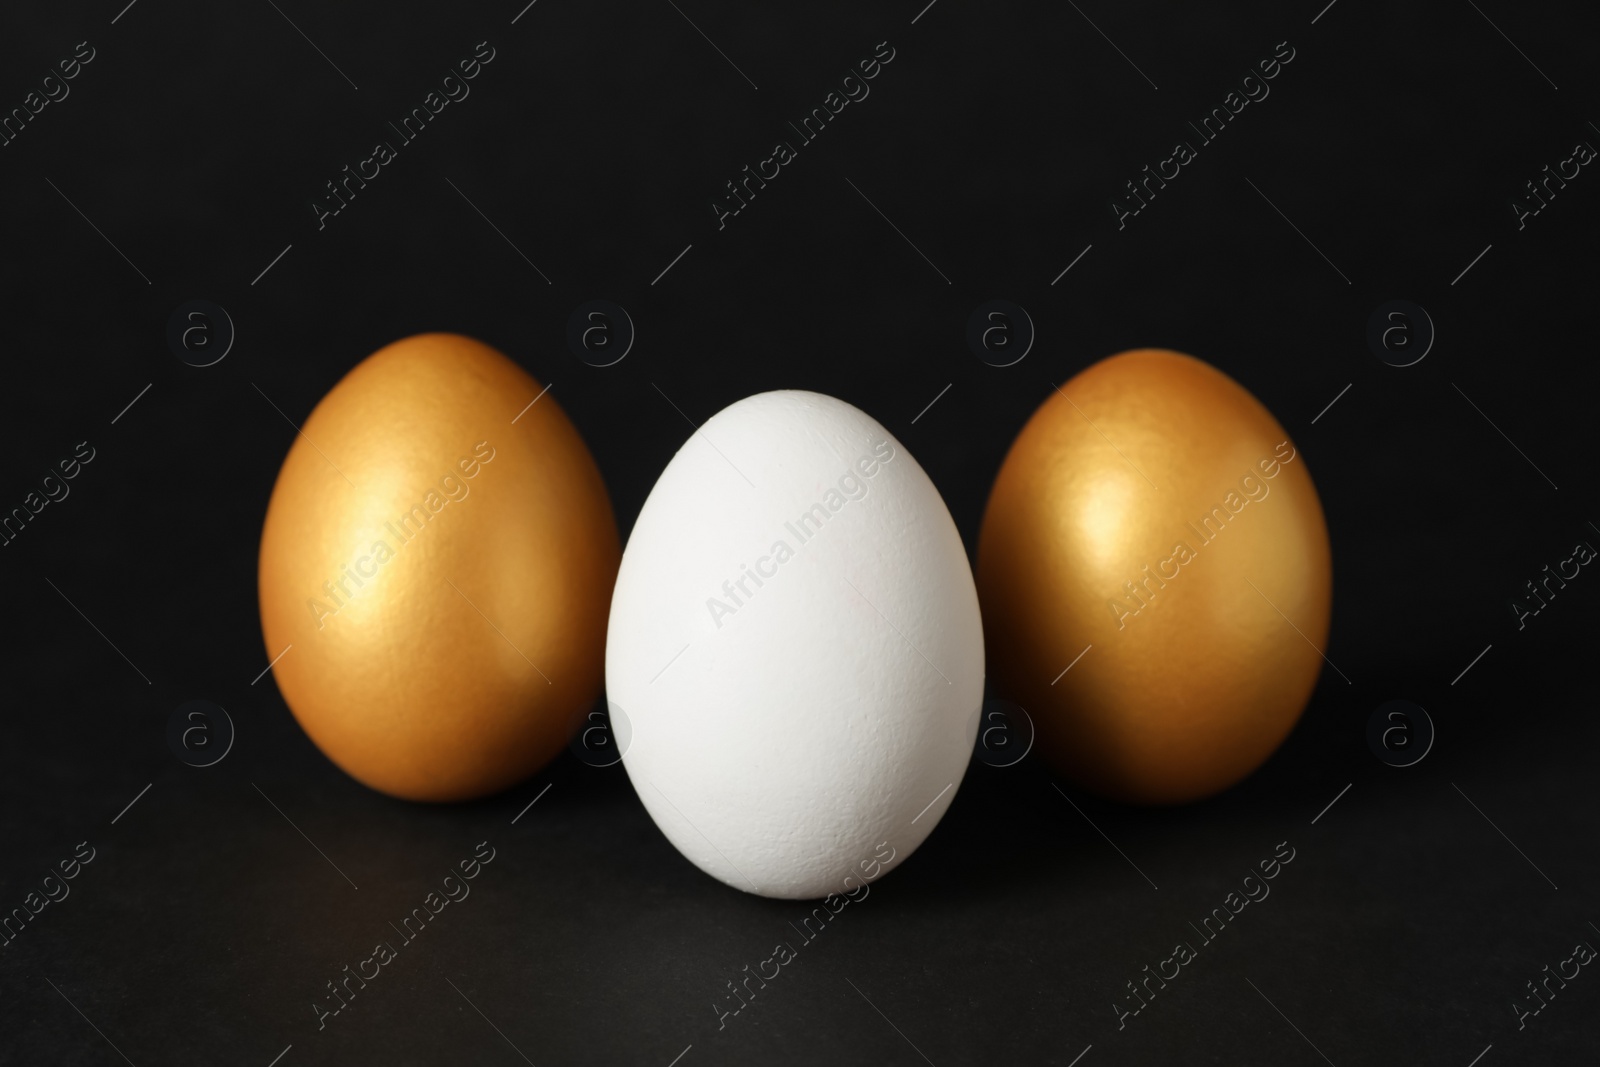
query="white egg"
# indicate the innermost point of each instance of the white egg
(795, 656)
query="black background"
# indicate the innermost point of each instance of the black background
(596, 139)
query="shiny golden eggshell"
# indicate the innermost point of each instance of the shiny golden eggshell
(1196, 671)
(452, 661)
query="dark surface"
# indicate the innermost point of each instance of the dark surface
(206, 926)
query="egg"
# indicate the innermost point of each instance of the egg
(436, 562)
(796, 648)
(1156, 579)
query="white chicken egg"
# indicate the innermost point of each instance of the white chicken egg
(795, 648)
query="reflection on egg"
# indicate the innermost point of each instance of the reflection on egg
(1155, 578)
(795, 644)
(435, 567)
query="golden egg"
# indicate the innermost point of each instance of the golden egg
(1155, 579)
(436, 564)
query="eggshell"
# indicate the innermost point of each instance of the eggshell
(802, 733)
(1156, 578)
(453, 660)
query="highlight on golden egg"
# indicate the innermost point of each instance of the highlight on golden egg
(436, 565)
(1155, 578)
